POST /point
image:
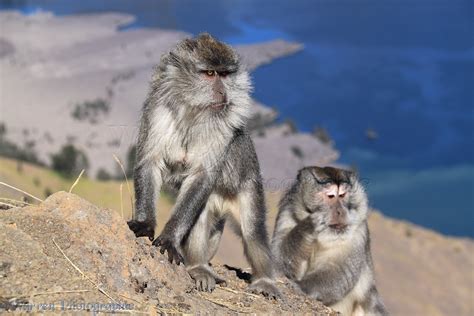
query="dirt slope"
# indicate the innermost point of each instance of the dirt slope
(71, 255)
(429, 273)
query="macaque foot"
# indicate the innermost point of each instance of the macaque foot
(205, 279)
(165, 244)
(265, 287)
(142, 229)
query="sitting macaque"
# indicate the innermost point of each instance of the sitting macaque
(321, 241)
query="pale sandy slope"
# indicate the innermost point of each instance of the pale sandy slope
(48, 64)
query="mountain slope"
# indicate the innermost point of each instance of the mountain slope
(419, 272)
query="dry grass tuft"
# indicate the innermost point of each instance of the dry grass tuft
(83, 275)
(19, 190)
(121, 199)
(7, 205)
(77, 180)
(128, 184)
(14, 202)
(47, 293)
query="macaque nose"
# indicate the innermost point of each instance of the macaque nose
(219, 91)
(221, 97)
(332, 192)
(338, 216)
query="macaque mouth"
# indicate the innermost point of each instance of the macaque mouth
(218, 106)
(338, 227)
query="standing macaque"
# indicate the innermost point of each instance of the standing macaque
(321, 241)
(193, 138)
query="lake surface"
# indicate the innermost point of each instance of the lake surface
(403, 69)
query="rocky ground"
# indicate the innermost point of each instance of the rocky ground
(418, 271)
(67, 253)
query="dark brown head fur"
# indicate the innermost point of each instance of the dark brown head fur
(214, 53)
(330, 175)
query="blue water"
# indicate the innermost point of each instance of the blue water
(404, 68)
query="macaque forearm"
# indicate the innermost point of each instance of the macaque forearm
(332, 283)
(146, 187)
(296, 245)
(145, 192)
(191, 200)
(328, 286)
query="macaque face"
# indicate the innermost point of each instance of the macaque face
(208, 75)
(334, 198)
(222, 86)
(216, 80)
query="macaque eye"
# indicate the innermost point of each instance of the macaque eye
(223, 74)
(331, 196)
(210, 73)
(342, 194)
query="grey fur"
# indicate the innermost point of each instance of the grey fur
(321, 240)
(193, 138)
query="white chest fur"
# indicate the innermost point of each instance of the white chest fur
(195, 146)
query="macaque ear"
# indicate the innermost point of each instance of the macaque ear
(322, 176)
(303, 173)
(313, 173)
(190, 44)
(351, 176)
(316, 173)
(306, 177)
(173, 59)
